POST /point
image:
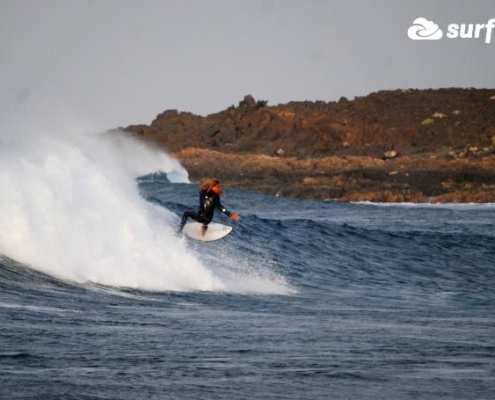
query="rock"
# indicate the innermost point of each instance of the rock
(339, 150)
(390, 154)
(438, 115)
(248, 102)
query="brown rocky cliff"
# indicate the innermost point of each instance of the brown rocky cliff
(402, 145)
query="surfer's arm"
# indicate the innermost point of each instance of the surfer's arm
(223, 209)
(232, 216)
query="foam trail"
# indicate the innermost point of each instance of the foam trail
(70, 208)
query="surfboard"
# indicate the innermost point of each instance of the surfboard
(215, 231)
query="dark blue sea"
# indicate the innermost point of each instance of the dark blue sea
(100, 299)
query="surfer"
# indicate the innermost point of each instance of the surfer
(209, 199)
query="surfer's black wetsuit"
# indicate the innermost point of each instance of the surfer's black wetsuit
(208, 201)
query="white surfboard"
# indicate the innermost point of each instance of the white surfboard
(215, 231)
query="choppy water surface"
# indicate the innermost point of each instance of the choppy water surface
(304, 300)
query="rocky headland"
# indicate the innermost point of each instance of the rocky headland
(389, 146)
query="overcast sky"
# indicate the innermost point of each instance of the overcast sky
(121, 62)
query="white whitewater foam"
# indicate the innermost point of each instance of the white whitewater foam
(70, 207)
(451, 206)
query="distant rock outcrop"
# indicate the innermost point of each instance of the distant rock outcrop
(402, 145)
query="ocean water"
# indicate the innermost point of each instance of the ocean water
(100, 299)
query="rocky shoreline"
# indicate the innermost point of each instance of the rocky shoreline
(391, 146)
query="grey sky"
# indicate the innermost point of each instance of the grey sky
(120, 62)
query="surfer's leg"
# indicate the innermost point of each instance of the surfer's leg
(205, 222)
(188, 214)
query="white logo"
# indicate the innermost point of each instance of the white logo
(422, 29)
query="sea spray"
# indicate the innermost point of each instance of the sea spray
(70, 207)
